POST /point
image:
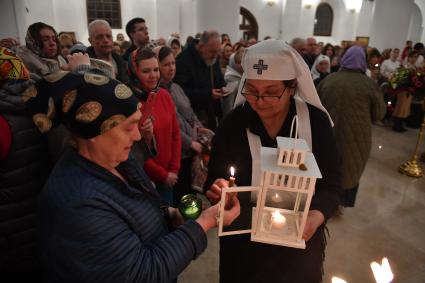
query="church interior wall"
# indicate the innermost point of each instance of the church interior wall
(388, 23)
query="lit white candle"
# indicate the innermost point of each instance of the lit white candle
(232, 178)
(338, 280)
(382, 272)
(276, 198)
(278, 221)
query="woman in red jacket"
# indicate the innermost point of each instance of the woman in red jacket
(162, 169)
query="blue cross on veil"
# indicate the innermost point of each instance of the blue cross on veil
(260, 67)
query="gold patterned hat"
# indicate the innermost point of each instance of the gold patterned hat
(87, 104)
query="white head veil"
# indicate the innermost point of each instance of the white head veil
(277, 60)
(314, 72)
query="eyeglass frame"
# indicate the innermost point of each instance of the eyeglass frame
(257, 97)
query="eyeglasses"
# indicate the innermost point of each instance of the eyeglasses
(253, 96)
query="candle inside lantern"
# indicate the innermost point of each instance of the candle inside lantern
(278, 221)
(232, 178)
(276, 198)
(338, 280)
(382, 273)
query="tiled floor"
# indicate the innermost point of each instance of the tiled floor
(388, 220)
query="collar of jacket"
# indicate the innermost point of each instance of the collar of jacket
(117, 58)
(130, 171)
(167, 86)
(11, 97)
(197, 57)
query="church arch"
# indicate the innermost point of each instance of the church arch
(323, 20)
(248, 24)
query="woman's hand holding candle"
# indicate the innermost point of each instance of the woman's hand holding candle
(214, 193)
(208, 218)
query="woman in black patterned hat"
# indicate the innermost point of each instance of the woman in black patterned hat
(101, 219)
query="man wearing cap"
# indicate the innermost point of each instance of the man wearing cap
(277, 85)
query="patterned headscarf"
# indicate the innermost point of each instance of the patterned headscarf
(11, 67)
(33, 40)
(87, 104)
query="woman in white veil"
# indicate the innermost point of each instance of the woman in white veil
(277, 85)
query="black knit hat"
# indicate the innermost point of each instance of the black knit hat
(87, 104)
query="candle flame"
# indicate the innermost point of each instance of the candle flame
(382, 272)
(277, 216)
(232, 171)
(338, 280)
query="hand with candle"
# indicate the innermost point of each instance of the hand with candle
(208, 218)
(214, 193)
(314, 219)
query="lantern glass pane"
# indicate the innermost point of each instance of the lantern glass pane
(242, 224)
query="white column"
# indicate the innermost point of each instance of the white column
(219, 15)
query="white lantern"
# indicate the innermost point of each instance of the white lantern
(283, 197)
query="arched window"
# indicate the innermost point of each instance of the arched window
(109, 10)
(323, 20)
(248, 24)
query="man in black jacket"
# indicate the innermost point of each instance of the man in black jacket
(198, 73)
(100, 38)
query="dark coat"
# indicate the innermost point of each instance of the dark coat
(242, 260)
(22, 176)
(354, 101)
(97, 228)
(194, 76)
(122, 68)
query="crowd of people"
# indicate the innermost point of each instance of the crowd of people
(99, 143)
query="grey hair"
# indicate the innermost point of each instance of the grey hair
(95, 23)
(208, 34)
(297, 40)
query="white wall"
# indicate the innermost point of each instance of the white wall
(219, 15)
(267, 16)
(388, 23)
(8, 21)
(415, 25)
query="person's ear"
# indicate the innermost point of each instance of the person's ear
(90, 40)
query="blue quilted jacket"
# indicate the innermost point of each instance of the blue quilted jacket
(96, 228)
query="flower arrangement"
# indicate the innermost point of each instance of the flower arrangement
(411, 81)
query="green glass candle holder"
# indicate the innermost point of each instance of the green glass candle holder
(190, 206)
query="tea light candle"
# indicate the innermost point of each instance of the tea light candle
(278, 221)
(276, 198)
(191, 211)
(190, 206)
(232, 178)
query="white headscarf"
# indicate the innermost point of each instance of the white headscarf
(314, 72)
(277, 60)
(170, 41)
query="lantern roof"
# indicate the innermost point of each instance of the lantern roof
(287, 143)
(268, 163)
